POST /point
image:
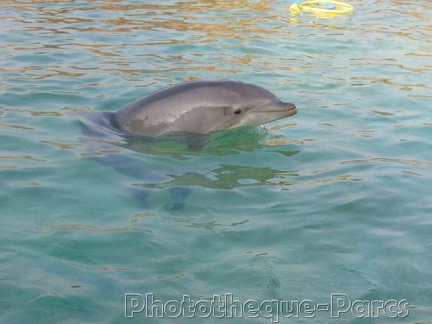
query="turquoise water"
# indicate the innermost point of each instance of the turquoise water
(336, 199)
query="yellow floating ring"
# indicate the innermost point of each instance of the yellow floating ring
(313, 6)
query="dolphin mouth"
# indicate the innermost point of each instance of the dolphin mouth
(285, 108)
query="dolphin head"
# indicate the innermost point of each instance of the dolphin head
(246, 104)
(258, 113)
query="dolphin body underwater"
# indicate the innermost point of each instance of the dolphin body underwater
(195, 109)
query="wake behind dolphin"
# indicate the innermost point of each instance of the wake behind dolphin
(201, 107)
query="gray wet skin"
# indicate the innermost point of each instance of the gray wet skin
(201, 107)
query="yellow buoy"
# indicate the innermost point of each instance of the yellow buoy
(322, 7)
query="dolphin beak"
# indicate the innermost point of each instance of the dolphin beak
(284, 109)
(289, 108)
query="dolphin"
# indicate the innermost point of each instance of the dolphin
(200, 107)
(195, 108)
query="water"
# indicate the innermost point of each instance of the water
(333, 200)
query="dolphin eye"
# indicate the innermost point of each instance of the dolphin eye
(237, 111)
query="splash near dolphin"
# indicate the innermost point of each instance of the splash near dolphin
(201, 107)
